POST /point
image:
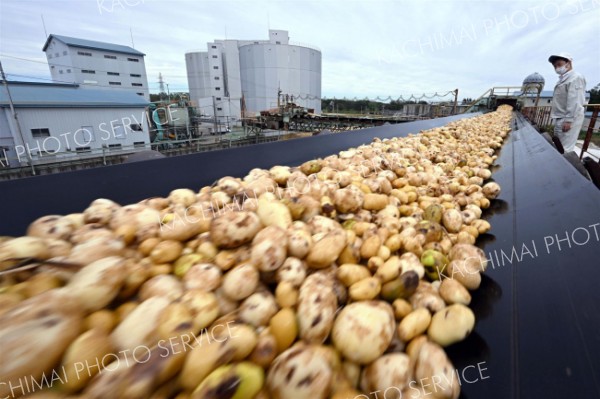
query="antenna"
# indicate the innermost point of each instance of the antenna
(161, 83)
(44, 24)
(131, 33)
(268, 21)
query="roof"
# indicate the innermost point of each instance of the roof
(53, 95)
(92, 44)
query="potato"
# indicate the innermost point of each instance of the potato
(300, 242)
(451, 325)
(140, 326)
(241, 281)
(51, 320)
(286, 295)
(365, 289)
(90, 347)
(21, 248)
(301, 372)
(258, 308)
(293, 270)
(375, 202)
(426, 296)
(284, 328)
(391, 370)
(97, 284)
(166, 251)
(432, 364)
(325, 251)
(491, 190)
(273, 213)
(363, 330)
(52, 226)
(233, 229)
(166, 286)
(454, 292)
(269, 250)
(204, 276)
(348, 200)
(401, 287)
(452, 220)
(265, 350)
(317, 305)
(413, 324)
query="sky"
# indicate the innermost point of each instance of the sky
(370, 49)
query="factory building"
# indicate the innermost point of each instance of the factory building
(253, 75)
(65, 122)
(97, 65)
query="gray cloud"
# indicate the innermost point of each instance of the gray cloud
(370, 48)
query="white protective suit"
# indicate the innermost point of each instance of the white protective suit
(568, 106)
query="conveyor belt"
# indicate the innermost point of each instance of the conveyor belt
(538, 314)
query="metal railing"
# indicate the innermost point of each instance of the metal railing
(541, 120)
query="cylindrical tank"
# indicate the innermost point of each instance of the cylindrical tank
(198, 75)
(267, 67)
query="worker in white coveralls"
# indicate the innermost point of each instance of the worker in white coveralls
(568, 101)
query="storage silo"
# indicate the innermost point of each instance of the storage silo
(266, 67)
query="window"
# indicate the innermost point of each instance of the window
(41, 132)
(110, 57)
(215, 67)
(114, 83)
(218, 98)
(549, 101)
(68, 71)
(135, 75)
(217, 78)
(56, 54)
(61, 71)
(139, 144)
(137, 84)
(65, 52)
(213, 46)
(133, 59)
(49, 56)
(215, 56)
(140, 94)
(83, 149)
(277, 42)
(136, 127)
(114, 146)
(51, 66)
(217, 88)
(113, 73)
(84, 53)
(219, 109)
(88, 71)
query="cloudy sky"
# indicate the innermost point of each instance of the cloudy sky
(370, 48)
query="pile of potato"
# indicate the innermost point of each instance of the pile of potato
(344, 276)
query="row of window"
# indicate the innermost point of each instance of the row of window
(57, 54)
(45, 132)
(110, 57)
(133, 75)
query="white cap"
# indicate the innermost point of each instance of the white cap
(563, 55)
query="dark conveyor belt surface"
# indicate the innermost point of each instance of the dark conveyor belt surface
(538, 308)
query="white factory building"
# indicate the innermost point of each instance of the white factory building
(65, 122)
(96, 64)
(249, 74)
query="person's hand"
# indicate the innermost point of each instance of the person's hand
(566, 126)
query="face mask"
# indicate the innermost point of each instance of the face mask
(561, 70)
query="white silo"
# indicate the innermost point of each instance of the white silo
(266, 67)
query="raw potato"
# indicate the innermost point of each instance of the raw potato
(452, 324)
(432, 364)
(141, 325)
(363, 330)
(301, 372)
(413, 324)
(391, 370)
(273, 213)
(325, 251)
(97, 284)
(240, 282)
(454, 292)
(491, 190)
(34, 335)
(317, 305)
(233, 229)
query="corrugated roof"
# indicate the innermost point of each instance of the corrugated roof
(45, 95)
(92, 44)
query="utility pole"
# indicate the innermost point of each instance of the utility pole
(18, 125)
(455, 102)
